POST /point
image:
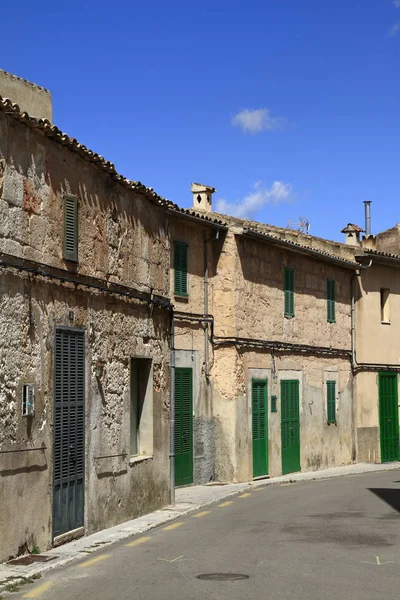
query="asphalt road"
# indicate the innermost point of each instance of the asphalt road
(334, 539)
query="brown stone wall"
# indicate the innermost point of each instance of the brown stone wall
(122, 238)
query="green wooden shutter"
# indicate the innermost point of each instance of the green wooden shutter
(289, 292)
(331, 300)
(259, 394)
(71, 228)
(389, 417)
(183, 440)
(331, 401)
(180, 269)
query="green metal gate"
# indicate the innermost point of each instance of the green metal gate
(69, 430)
(183, 426)
(388, 417)
(260, 426)
(290, 426)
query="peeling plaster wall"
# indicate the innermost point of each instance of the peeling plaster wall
(122, 238)
(322, 445)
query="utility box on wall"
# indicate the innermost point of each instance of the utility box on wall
(28, 400)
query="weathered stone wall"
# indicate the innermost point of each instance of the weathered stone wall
(123, 239)
(260, 297)
(389, 240)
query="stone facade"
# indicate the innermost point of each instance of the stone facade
(123, 244)
(246, 302)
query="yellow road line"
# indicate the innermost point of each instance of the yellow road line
(201, 514)
(93, 561)
(227, 503)
(244, 495)
(36, 592)
(173, 526)
(141, 540)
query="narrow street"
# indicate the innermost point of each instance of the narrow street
(319, 540)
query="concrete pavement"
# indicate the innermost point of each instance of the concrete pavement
(188, 500)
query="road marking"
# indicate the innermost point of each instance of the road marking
(244, 495)
(173, 526)
(93, 561)
(201, 514)
(259, 489)
(36, 592)
(282, 484)
(378, 562)
(171, 561)
(141, 540)
(227, 503)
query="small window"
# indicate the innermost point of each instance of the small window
(274, 404)
(141, 410)
(385, 312)
(289, 292)
(71, 228)
(180, 269)
(331, 300)
(331, 401)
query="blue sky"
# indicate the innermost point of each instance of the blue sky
(287, 107)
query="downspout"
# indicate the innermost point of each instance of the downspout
(206, 284)
(172, 409)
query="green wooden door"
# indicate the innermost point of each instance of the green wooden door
(260, 426)
(388, 417)
(290, 426)
(183, 426)
(69, 430)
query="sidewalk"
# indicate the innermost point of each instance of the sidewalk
(187, 500)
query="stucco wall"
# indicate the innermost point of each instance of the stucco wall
(31, 98)
(377, 342)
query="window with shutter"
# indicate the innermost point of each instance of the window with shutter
(71, 228)
(331, 401)
(289, 293)
(180, 269)
(331, 300)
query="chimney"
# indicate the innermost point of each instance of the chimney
(202, 197)
(31, 98)
(352, 233)
(367, 204)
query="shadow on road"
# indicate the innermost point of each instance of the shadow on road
(389, 495)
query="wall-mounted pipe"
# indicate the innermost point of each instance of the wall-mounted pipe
(353, 316)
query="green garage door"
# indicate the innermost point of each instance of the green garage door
(290, 426)
(388, 417)
(260, 427)
(183, 426)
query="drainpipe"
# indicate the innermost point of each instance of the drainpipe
(206, 341)
(172, 410)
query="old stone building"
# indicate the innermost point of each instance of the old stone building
(84, 326)
(144, 346)
(265, 348)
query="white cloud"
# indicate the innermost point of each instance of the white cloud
(256, 120)
(396, 3)
(278, 193)
(395, 28)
